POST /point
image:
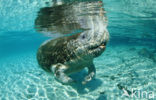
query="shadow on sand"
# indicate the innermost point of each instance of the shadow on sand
(84, 88)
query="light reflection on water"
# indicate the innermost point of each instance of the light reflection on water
(69, 17)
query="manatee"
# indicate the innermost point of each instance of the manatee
(70, 54)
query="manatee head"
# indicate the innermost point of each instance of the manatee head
(90, 44)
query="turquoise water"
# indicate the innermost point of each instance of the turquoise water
(129, 61)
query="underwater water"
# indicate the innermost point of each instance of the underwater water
(129, 61)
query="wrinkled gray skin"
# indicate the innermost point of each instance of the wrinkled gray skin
(66, 55)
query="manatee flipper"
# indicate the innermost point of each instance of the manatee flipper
(91, 74)
(59, 73)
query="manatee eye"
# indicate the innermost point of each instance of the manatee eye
(83, 36)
